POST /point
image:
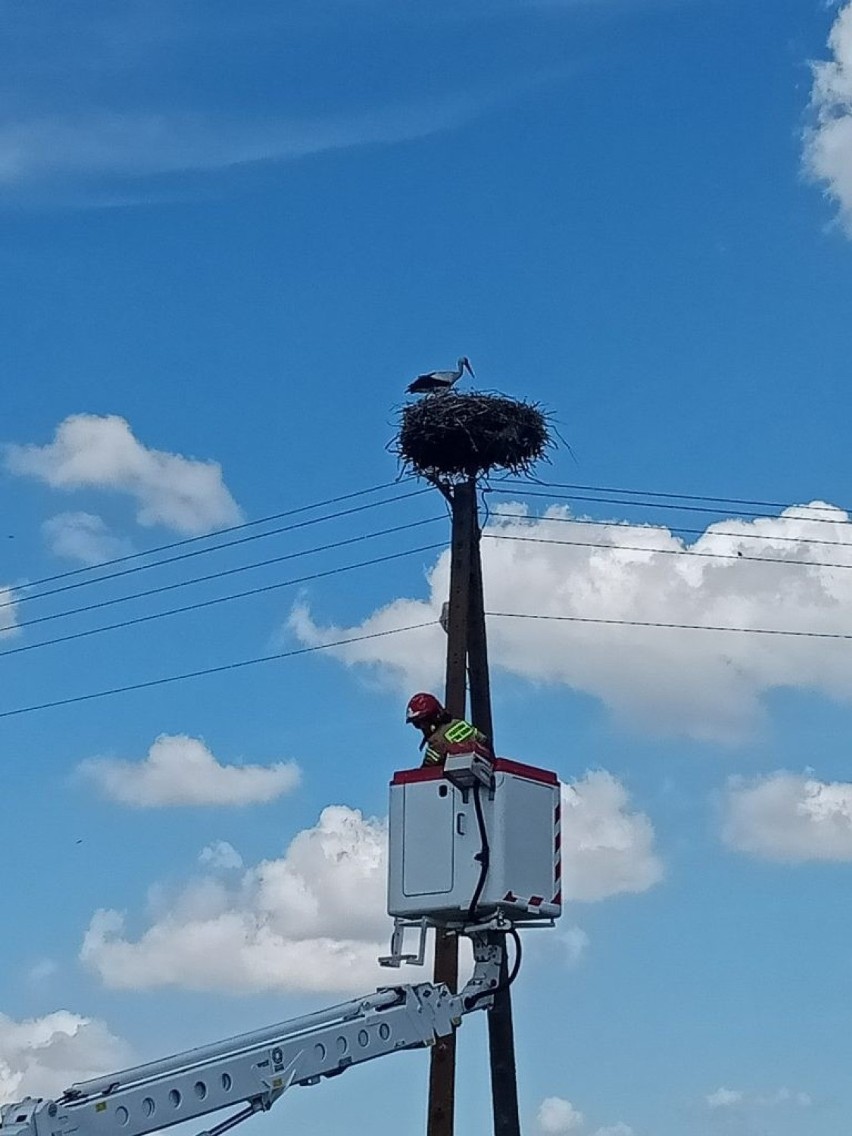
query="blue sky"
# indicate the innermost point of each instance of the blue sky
(229, 239)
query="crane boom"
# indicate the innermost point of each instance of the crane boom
(255, 1069)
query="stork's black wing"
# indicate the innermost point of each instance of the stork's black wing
(425, 383)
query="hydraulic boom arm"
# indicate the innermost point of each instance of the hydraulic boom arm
(253, 1070)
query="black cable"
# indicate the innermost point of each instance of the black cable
(225, 572)
(484, 855)
(472, 999)
(672, 626)
(686, 552)
(643, 526)
(200, 551)
(664, 505)
(212, 670)
(517, 964)
(429, 623)
(669, 496)
(217, 532)
(84, 634)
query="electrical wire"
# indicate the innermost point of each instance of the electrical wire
(672, 626)
(148, 618)
(836, 635)
(218, 532)
(201, 551)
(212, 670)
(225, 572)
(669, 496)
(686, 552)
(643, 526)
(662, 505)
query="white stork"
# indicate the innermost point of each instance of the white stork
(436, 381)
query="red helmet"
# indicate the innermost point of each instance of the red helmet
(422, 707)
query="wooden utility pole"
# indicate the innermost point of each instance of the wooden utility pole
(501, 1032)
(467, 656)
(442, 1069)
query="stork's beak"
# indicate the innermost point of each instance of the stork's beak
(469, 369)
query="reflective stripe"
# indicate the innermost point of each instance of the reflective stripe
(459, 732)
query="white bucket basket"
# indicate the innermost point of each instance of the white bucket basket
(436, 842)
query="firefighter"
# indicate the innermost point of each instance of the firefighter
(442, 733)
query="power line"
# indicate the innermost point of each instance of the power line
(223, 573)
(672, 626)
(218, 532)
(685, 552)
(661, 505)
(672, 496)
(211, 670)
(219, 600)
(644, 526)
(845, 636)
(203, 551)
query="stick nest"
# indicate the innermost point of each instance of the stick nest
(448, 437)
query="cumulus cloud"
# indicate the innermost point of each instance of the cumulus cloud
(706, 684)
(828, 143)
(607, 849)
(789, 817)
(180, 770)
(43, 1056)
(315, 919)
(312, 920)
(221, 855)
(101, 452)
(84, 537)
(557, 1116)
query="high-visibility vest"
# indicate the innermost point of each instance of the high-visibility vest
(456, 736)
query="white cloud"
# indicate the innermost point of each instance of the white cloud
(828, 144)
(557, 1116)
(789, 817)
(8, 612)
(736, 1098)
(43, 1056)
(606, 848)
(101, 452)
(315, 919)
(143, 144)
(724, 1098)
(312, 920)
(182, 771)
(42, 970)
(706, 684)
(84, 537)
(574, 943)
(221, 855)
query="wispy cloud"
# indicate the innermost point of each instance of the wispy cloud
(97, 145)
